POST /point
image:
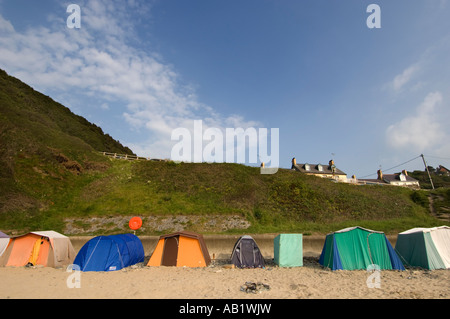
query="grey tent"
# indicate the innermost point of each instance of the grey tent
(4, 241)
(246, 253)
(425, 247)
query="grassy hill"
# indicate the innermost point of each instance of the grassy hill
(52, 177)
(439, 181)
(41, 136)
(201, 193)
(438, 200)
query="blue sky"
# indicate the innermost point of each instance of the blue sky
(368, 98)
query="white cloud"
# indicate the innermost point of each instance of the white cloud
(403, 78)
(5, 25)
(420, 131)
(99, 60)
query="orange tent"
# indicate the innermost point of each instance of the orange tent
(181, 249)
(47, 248)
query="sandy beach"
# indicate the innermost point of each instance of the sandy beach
(218, 281)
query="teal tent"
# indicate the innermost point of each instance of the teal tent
(288, 250)
(356, 248)
(425, 247)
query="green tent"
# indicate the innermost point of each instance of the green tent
(425, 247)
(288, 250)
(357, 248)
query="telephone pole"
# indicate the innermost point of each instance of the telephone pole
(426, 167)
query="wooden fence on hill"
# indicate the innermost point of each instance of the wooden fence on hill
(130, 157)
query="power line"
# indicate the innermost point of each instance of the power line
(421, 155)
(444, 158)
(394, 166)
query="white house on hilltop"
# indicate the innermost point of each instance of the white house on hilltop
(399, 179)
(324, 171)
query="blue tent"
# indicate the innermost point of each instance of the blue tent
(107, 253)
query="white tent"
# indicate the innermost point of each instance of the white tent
(4, 241)
(47, 248)
(425, 247)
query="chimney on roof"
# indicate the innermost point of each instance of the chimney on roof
(405, 172)
(294, 162)
(262, 165)
(331, 166)
(380, 174)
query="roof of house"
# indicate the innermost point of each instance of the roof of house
(390, 178)
(317, 169)
(398, 178)
(442, 169)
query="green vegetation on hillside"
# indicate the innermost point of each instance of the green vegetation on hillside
(439, 181)
(36, 129)
(437, 200)
(51, 171)
(284, 202)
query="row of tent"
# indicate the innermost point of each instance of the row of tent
(348, 249)
(357, 248)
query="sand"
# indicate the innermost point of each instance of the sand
(218, 281)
